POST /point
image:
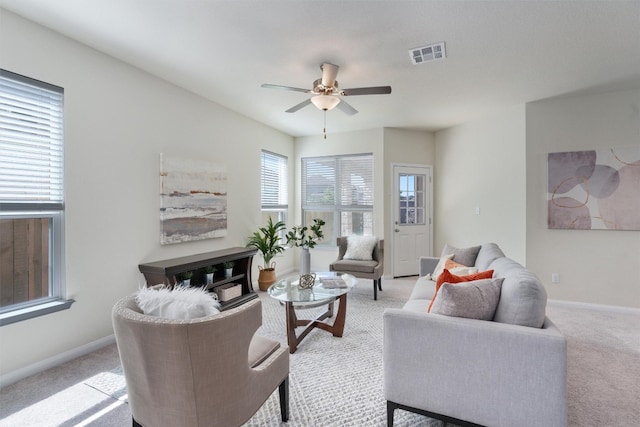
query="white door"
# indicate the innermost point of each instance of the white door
(412, 230)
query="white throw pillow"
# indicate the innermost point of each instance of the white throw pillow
(360, 248)
(439, 268)
(179, 303)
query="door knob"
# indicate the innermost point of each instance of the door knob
(396, 230)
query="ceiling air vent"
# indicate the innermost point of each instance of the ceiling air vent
(427, 53)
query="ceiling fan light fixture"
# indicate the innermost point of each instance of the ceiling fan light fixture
(325, 102)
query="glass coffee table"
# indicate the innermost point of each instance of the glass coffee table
(328, 288)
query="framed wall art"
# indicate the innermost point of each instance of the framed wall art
(193, 200)
(594, 189)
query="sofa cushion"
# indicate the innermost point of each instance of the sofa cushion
(489, 252)
(423, 289)
(447, 277)
(260, 349)
(177, 303)
(523, 298)
(473, 300)
(417, 305)
(360, 248)
(464, 256)
(354, 265)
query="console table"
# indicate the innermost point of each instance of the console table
(165, 272)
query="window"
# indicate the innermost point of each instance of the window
(339, 190)
(275, 197)
(31, 198)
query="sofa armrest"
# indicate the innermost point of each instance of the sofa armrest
(428, 264)
(485, 372)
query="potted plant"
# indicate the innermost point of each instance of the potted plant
(209, 271)
(305, 238)
(185, 278)
(228, 268)
(267, 241)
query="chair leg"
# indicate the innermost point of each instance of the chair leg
(390, 408)
(283, 391)
(380, 283)
(375, 290)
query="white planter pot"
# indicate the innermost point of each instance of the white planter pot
(305, 261)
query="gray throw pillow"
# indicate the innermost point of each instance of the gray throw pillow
(464, 256)
(473, 300)
(523, 298)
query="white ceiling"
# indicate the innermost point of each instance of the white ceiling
(499, 53)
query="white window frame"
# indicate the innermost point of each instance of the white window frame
(274, 195)
(29, 140)
(343, 200)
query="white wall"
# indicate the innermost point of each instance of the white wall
(595, 266)
(482, 164)
(117, 121)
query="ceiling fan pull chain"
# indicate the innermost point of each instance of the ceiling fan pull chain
(324, 129)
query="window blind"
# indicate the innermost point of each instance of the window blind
(274, 190)
(31, 145)
(345, 181)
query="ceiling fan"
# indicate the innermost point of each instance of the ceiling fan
(327, 94)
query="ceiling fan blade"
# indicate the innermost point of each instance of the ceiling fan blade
(299, 106)
(377, 90)
(329, 74)
(346, 108)
(296, 89)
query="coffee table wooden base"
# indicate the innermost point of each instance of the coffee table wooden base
(336, 328)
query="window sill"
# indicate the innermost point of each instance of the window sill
(34, 311)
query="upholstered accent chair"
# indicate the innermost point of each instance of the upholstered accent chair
(363, 269)
(209, 371)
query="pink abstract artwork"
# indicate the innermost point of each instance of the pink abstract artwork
(594, 189)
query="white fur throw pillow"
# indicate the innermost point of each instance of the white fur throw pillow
(179, 303)
(360, 248)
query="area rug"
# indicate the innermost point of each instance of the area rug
(333, 381)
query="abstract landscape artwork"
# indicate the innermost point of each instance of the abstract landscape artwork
(193, 200)
(594, 189)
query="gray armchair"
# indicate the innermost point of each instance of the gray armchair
(362, 269)
(210, 371)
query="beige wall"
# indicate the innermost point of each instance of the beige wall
(595, 266)
(481, 164)
(118, 120)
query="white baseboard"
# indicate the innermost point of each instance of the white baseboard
(596, 307)
(43, 365)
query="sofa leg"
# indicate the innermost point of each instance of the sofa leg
(391, 407)
(135, 423)
(283, 391)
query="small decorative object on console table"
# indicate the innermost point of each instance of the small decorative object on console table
(210, 270)
(306, 238)
(228, 268)
(185, 278)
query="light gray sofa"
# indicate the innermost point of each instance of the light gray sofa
(507, 372)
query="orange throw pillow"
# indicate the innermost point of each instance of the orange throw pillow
(448, 277)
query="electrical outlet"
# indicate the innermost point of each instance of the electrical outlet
(555, 277)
